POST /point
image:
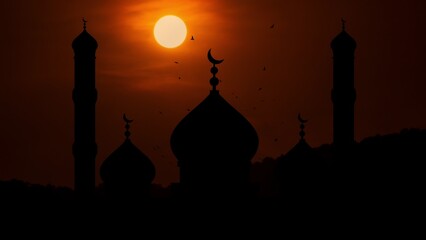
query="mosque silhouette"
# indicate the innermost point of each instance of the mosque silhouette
(214, 145)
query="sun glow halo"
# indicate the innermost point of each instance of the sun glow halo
(170, 31)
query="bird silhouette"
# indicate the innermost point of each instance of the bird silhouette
(273, 25)
(176, 62)
(192, 37)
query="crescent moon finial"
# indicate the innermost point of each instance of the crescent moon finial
(214, 81)
(301, 120)
(343, 24)
(212, 59)
(84, 23)
(126, 119)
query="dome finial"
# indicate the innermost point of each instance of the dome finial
(128, 121)
(84, 23)
(214, 81)
(302, 126)
(343, 24)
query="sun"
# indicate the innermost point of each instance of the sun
(170, 31)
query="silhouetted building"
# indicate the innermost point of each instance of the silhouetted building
(84, 96)
(393, 163)
(214, 145)
(301, 172)
(263, 177)
(343, 93)
(127, 172)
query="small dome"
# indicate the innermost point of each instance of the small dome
(84, 42)
(127, 166)
(302, 156)
(343, 41)
(214, 131)
(301, 171)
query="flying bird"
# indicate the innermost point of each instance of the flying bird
(272, 26)
(176, 62)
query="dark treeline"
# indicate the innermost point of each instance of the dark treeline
(389, 166)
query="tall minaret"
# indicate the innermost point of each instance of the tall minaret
(84, 96)
(343, 93)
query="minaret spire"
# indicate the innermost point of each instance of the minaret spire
(214, 81)
(128, 121)
(84, 96)
(302, 127)
(343, 24)
(84, 23)
(343, 94)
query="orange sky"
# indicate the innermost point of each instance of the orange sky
(137, 76)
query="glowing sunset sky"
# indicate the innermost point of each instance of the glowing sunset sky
(137, 76)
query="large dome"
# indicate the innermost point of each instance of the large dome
(214, 145)
(214, 131)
